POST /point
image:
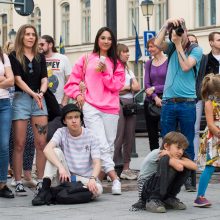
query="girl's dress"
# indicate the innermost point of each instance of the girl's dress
(209, 152)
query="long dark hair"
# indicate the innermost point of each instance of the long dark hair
(1, 55)
(112, 50)
(49, 40)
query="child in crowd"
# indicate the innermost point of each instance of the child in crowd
(163, 172)
(211, 95)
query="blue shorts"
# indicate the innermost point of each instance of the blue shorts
(24, 107)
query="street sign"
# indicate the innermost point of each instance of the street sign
(24, 7)
(147, 36)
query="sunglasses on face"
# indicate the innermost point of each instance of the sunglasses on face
(30, 67)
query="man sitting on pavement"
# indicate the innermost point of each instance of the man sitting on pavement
(73, 154)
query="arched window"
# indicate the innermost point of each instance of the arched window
(65, 15)
(86, 21)
(35, 19)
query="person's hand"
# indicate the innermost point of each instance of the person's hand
(149, 91)
(2, 78)
(63, 175)
(158, 101)
(82, 87)
(38, 98)
(101, 67)
(91, 185)
(80, 101)
(173, 22)
(63, 103)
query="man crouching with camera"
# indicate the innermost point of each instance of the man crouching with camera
(179, 96)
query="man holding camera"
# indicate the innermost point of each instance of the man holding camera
(179, 96)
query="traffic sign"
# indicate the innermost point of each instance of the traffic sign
(147, 36)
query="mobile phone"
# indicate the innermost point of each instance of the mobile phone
(102, 59)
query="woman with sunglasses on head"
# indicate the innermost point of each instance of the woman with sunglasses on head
(6, 81)
(29, 68)
(104, 76)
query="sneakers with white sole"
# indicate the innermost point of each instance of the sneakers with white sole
(128, 175)
(116, 187)
(19, 190)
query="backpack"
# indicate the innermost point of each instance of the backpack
(202, 68)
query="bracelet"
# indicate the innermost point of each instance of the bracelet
(92, 177)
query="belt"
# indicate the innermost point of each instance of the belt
(181, 100)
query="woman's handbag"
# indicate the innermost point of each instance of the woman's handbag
(153, 109)
(129, 109)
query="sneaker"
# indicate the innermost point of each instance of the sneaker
(38, 187)
(116, 187)
(155, 206)
(30, 183)
(139, 205)
(128, 175)
(13, 182)
(174, 203)
(19, 190)
(5, 192)
(201, 202)
(43, 197)
(188, 185)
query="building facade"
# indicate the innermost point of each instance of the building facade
(78, 21)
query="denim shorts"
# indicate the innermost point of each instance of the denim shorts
(24, 107)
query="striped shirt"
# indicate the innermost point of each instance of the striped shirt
(78, 151)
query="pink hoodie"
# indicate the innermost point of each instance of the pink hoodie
(102, 88)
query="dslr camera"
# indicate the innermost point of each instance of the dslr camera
(178, 29)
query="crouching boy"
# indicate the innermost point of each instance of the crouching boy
(162, 174)
(73, 154)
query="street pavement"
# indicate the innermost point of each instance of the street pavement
(109, 207)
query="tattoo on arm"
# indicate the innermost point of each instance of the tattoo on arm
(42, 129)
(181, 56)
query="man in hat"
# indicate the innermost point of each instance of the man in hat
(73, 154)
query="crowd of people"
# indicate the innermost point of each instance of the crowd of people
(89, 132)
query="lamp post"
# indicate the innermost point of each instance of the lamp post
(147, 7)
(12, 34)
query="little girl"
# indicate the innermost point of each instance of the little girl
(211, 95)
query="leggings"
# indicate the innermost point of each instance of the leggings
(204, 179)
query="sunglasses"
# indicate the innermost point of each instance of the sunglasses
(30, 66)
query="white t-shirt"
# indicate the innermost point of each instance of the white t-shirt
(78, 151)
(58, 67)
(217, 57)
(4, 93)
(129, 75)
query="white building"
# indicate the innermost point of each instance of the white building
(78, 21)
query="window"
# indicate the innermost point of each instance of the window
(35, 19)
(160, 12)
(65, 22)
(205, 13)
(86, 21)
(4, 28)
(133, 17)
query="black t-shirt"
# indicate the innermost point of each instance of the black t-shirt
(32, 74)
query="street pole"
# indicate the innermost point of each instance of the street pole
(148, 23)
(111, 14)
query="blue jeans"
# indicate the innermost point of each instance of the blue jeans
(182, 114)
(5, 127)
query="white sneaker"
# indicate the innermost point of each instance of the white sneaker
(13, 182)
(116, 187)
(30, 183)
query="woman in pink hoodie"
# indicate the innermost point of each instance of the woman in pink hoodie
(104, 76)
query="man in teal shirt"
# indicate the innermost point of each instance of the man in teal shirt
(179, 96)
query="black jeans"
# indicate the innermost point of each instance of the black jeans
(169, 182)
(152, 124)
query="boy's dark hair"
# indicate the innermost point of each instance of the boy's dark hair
(174, 137)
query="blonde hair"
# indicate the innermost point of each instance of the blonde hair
(8, 47)
(19, 44)
(210, 86)
(174, 137)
